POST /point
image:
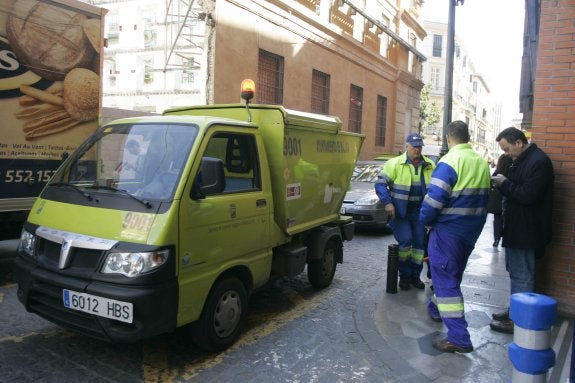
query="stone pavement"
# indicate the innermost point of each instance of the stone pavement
(394, 333)
(406, 331)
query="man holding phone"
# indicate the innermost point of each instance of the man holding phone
(528, 202)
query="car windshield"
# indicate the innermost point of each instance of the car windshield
(143, 160)
(366, 172)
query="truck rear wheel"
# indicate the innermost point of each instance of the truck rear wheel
(320, 271)
(222, 319)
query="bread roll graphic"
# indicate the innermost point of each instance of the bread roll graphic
(49, 40)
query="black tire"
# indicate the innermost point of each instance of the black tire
(320, 271)
(223, 316)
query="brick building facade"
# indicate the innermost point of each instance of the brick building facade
(553, 129)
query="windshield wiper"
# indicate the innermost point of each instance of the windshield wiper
(144, 202)
(74, 187)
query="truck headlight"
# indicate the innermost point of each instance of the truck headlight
(367, 201)
(27, 243)
(134, 264)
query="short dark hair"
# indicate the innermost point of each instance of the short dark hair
(459, 131)
(511, 135)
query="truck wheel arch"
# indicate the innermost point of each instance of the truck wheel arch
(325, 247)
(319, 237)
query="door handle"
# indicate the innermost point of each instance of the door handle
(261, 202)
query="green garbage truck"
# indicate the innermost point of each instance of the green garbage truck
(160, 222)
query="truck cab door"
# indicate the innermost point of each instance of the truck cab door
(224, 222)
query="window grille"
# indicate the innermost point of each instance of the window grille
(270, 78)
(320, 92)
(381, 121)
(355, 108)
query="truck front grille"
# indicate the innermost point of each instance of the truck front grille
(84, 261)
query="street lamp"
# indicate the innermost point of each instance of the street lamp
(448, 95)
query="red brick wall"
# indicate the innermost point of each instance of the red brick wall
(554, 131)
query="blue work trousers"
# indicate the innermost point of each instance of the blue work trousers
(409, 233)
(448, 257)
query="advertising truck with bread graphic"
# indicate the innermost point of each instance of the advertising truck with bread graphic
(50, 92)
(161, 222)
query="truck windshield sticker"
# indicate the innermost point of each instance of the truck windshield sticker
(293, 191)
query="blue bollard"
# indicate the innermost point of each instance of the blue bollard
(531, 352)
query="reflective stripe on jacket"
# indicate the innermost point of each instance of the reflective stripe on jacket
(457, 197)
(395, 183)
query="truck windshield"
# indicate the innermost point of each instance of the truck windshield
(144, 160)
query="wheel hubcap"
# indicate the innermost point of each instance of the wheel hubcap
(227, 314)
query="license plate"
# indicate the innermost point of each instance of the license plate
(342, 210)
(104, 307)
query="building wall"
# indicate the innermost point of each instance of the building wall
(306, 41)
(224, 38)
(553, 130)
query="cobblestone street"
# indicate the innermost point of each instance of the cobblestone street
(352, 331)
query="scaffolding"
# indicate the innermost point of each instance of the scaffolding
(183, 45)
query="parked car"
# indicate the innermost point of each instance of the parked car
(361, 202)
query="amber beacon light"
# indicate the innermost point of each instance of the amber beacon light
(248, 88)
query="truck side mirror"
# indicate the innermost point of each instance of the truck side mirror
(210, 179)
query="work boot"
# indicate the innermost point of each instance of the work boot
(504, 326)
(502, 315)
(444, 345)
(496, 243)
(417, 283)
(404, 283)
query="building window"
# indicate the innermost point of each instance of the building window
(270, 78)
(355, 107)
(437, 45)
(148, 71)
(188, 77)
(435, 78)
(381, 121)
(320, 92)
(150, 38)
(384, 38)
(480, 136)
(114, 28)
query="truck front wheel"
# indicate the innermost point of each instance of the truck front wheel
(222, 319)
(320, 271)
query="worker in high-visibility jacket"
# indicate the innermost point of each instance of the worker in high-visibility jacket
(401, 187)
(455, 208)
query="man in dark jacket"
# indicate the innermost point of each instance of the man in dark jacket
(528, 200)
